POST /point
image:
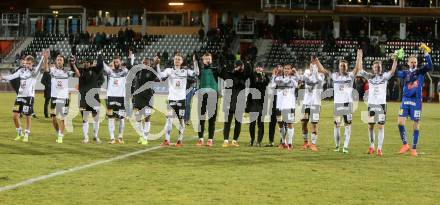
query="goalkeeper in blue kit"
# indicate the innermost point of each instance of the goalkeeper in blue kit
(411, 106)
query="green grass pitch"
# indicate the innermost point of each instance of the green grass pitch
(244, 175)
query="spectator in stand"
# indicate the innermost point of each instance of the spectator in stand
(121, 36)
(86, 37)
(252, 52)
(238, 56)
(425, 96)
(201, 34)
(99, 39)
(165, 57)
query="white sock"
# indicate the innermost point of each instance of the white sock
(19, 131)
(111, 128)
(121, 128)
(96, 128)
(347, 136)
(381, 137)
(26, 133)
(371, 136)
(139, 129)
(314, 138)
(305, 136)
(168, 128)
(60, 135)
(181, 129)
(290, 132)
(283, 135)
(337, 135)
(146, 129)
(86, 130)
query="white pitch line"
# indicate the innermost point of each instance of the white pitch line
(82, 167)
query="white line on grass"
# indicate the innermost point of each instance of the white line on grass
(79, 168)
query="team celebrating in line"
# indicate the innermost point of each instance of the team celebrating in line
(132, 85)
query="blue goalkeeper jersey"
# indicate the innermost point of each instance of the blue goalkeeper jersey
(413, 80)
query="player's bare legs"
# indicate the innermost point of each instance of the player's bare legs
(305, 132)
(16, 119)
(290, 135)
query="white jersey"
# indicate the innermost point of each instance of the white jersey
(286, 91)
(177, 80)
(60, 82)
(377, 87)
(116, 80)
(313, 84)
(27, 80)
(343, 87)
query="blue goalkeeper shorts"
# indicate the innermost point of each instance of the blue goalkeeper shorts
(411, 107)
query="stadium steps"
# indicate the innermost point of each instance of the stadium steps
(186, 44)
(23, 44)
(235, 46)
(263, 46)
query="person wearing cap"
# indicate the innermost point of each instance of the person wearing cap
(255, 104)
(234, 105)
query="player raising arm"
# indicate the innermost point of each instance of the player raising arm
(116, 80)
(91, 78)
(143, 100)
(411, 106)
(24, 103)
(343, 100)
(286, 83)
(314, 79)
(377, 95)
(177, 78)
(59, 102)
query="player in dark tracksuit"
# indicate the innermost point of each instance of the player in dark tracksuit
(91, 78)
(46, 81)
(143, 99)
(238, 76)
(259, 81)
(208, 84)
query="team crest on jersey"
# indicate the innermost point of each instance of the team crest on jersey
(23, 84)
(178, 83)
(116, 82)
(341, 87)
(413, 84)
(59, 84)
